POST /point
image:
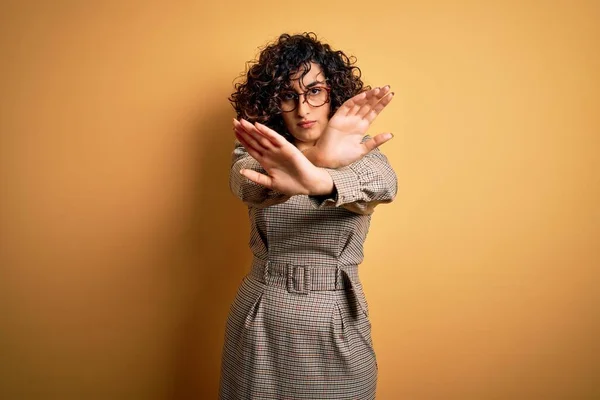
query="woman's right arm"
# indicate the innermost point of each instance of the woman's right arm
(250, 193)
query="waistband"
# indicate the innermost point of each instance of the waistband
(303, 279)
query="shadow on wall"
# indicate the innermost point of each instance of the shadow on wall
(214, 257)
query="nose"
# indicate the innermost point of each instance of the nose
(303, 106)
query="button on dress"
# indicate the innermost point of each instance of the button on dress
(299, 325)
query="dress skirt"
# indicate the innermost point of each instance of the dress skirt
(286, 340)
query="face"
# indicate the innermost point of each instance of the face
(307, 122)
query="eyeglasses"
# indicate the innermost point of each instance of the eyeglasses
(315, 96)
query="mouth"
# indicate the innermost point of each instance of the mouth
(306, 124)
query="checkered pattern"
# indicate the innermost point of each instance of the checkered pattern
(299, 327)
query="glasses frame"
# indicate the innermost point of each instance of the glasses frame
(297, 99)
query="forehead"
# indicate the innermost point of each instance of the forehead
(315, 73)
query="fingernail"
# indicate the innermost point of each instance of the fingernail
(386, 86)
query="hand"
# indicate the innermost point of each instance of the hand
(340, 144)
(289, 171)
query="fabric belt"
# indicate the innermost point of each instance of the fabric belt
(303, 279)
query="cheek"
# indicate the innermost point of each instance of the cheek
(326, 110)
(287, 120)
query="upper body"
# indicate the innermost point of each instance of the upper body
(302, 153)
(328, 230)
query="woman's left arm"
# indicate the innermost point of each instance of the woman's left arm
(360, 186)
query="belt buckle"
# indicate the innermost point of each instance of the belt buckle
(298, 279)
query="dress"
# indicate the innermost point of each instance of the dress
(299, 326)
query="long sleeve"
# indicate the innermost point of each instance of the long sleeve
(249, 192)
(360, 186)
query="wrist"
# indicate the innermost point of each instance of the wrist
(318, 158)
(312, 154)
(323, 184)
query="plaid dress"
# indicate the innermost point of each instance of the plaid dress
(299, 326)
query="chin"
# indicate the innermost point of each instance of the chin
(311, 135)
(305, 139)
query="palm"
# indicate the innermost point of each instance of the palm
(348, 124)
(346, 131)
(341, 142)
(288, 170)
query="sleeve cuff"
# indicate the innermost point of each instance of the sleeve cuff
(346, 189)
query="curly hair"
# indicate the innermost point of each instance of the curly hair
(255, 98)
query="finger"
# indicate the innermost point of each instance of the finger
(246, 124)
(373, 101)
(373, 96)
(361, 99)
(365, 97)
(237, 124)
(276, 139)
(254, 139)
(263, 141)
(374, 112)
(370, 97)
(377, 141)
(347, 107)
(258, 178)
(242, 138)
(384, 90)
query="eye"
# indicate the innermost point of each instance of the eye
(316, 90)
(288, 96)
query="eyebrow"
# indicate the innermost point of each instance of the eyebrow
(314, 84)
(310, 85)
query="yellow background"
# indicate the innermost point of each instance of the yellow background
(121, 247)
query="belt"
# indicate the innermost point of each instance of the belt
(303, 279)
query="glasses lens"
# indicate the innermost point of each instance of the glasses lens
(317, 96)
(287, 101)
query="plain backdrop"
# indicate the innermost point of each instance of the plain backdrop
(121, 247)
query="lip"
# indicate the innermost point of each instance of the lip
(306, 124)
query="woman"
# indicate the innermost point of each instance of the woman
(298, 327)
